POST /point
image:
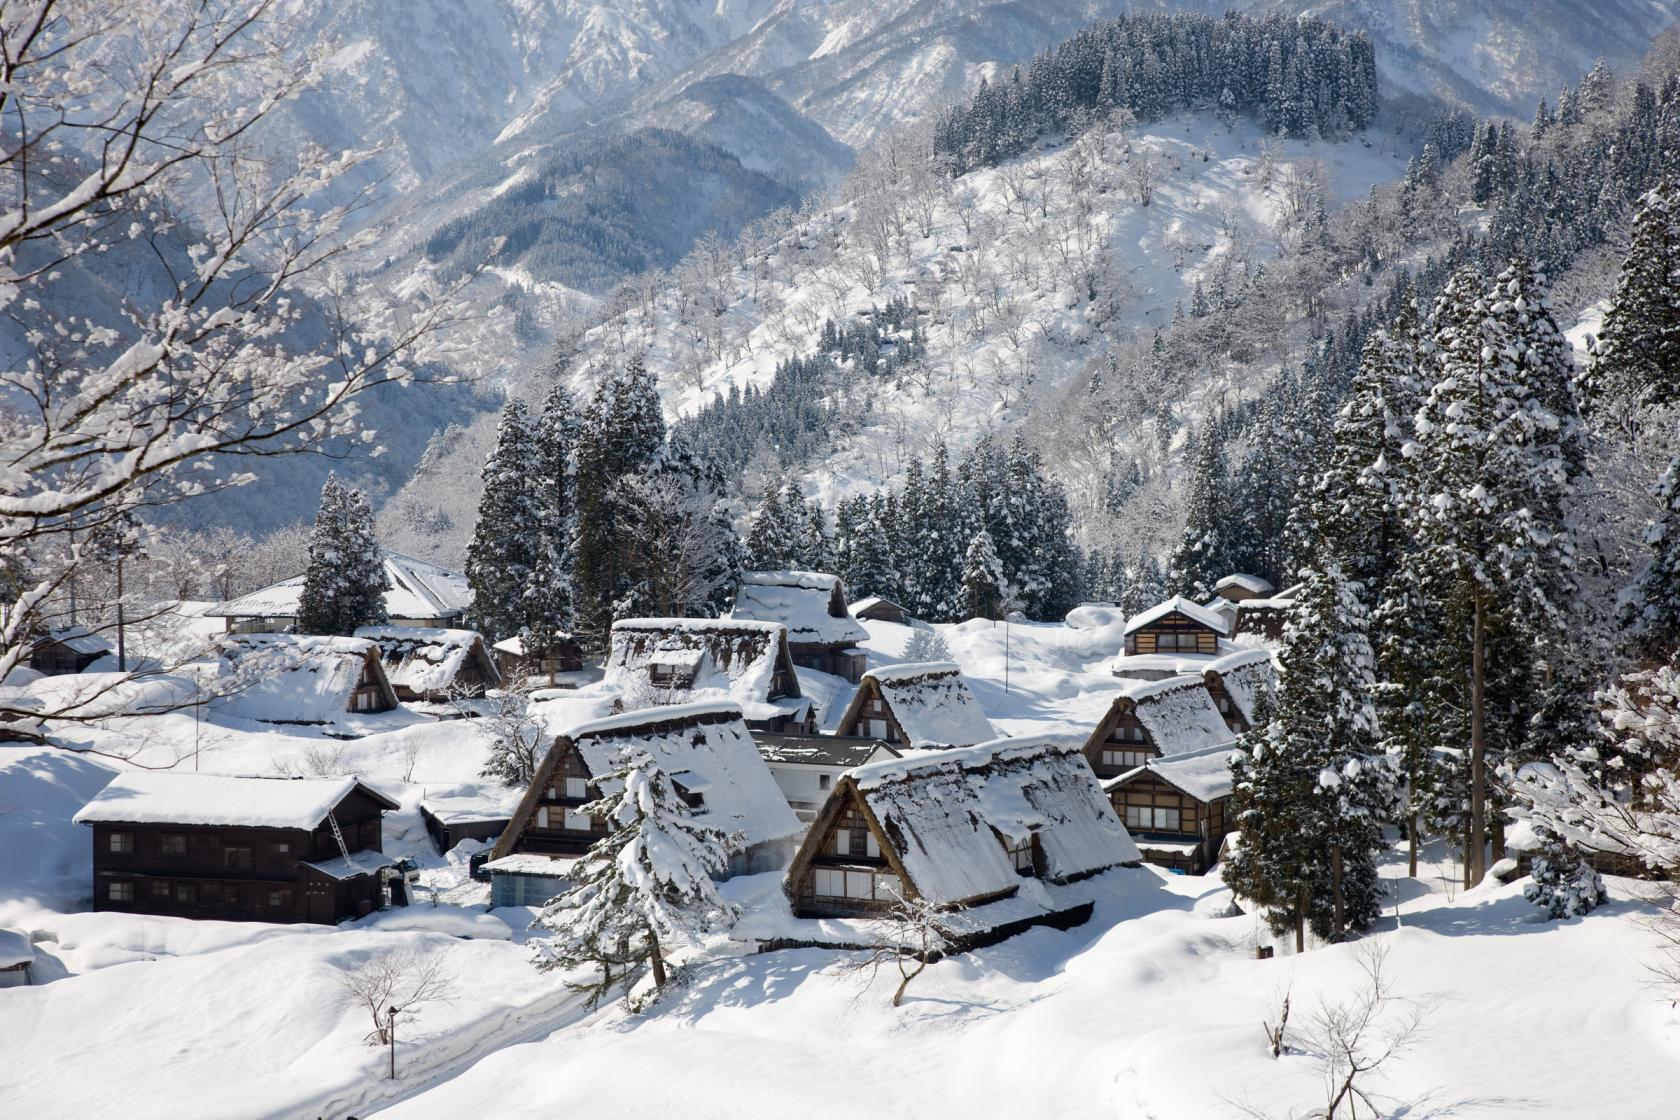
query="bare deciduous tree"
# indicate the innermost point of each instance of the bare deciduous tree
(911, 935)
(392, 988)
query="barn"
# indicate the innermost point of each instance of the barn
(663, 661)
(962, 829)
(821, 632)
(66, 649)
(707, 752)
(921, 705)
(559, 666)
(238, 848)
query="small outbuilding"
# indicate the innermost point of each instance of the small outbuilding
(17, 958)
(821, 632)
(707, 752)
(431, 663)
(558, 666)
(1176, 807)
(960, 829)
(238, 848)
(807, 766)
(921, 705)
(66, 649)
(656, 662)
(877, 609)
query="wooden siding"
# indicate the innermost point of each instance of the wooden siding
(1172, 634)
(871, 717)
(1152, 809)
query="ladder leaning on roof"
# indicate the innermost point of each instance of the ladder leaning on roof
(337, 835)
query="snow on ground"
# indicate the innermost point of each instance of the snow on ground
(1151, 1009)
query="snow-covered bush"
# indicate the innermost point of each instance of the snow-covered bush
(1564, 885)
(927, 644)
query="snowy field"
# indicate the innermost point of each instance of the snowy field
(1152, 1009)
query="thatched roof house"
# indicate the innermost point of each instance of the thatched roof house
(663, 661)
(294, 678)
(1154, 718)
(431, 663)
(821, 632)
(923, 705)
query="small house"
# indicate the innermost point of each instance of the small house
(923, 705)
(1239, 587)
(417, 593)
(467, 813)
(960, 829)
(558, 666)
(821, 632)
(1169, 638)
(17, 958)
(1155, 718)
(1238, 683)
(877, 609)
(807, 766)
(66, 649)
(429, 663)
(1263, 618)
(238, 848)
(663, 661)
(305, 679)
(709, 756)
(1177, 807)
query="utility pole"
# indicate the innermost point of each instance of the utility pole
(122, 644)
(391, 1033)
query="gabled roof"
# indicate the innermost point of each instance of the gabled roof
(76, 639)
(708, 743)
(416, 589)
(1178, 604)
(804, 602)
(297, 678)
(844, 751)
(734, 660)
(1178, 713)
(931, 702)
(868, 601)
(943, 816)
(1257, 585)
(427, 658)
(1246, 675)
(1204, 774)
(169, 797)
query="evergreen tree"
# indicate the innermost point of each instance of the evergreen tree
(770, 541)
(988, 592)
(503, 555)
(1654, 599)
(1202, 557)
(1636, 361)
(643, 887)
(1563, 884)
(344, 584)
(548, 607)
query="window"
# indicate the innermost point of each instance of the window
(123, 842)
(824, 780)
(1123, 760)
(671, 676)
(1224, 703)
(162, 888)
(119, 892)
(859, 886)
(1152, 819)
(240, 859)
(1188, 641)
(1128, 730)
(186, 892)
(281, 847)
(577, 789)
(173, 844)
(1021, 855)
(280, 899)
(542, 816)
(843, 842)
(578, 822)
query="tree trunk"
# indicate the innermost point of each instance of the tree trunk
(1476, 863)
(1301, 918)
(656, 959)
(1498, 838)
(1411, 841)
(1336, 891)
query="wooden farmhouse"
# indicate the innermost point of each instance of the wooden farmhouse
(417, 593)
(429, 663)
(1176, 807)
(1155, 718)
(807, 766)
(662, 661)
(1238, 587)
(558, 667)
(1238, 682)
(877, 609)
(304, 679)
(238, 849)
(66, 649)
(961, 829)
(923, 705)
(1170, 638)
(709, 756)
(821, 632)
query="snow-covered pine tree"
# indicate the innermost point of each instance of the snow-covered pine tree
(926, 644)
(622, 431)
(770, 541)
(1654, 599)
(868, 565)
(1202, 558)
(506, 537)
(344, 584)
(1634, 360)
(643, 888)
(548, 616)
(1562, 883)
(1496, 449)
(686, 559)
(988, 592)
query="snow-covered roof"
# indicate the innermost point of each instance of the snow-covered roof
(843, 751)
(15, 948)
(465, 805)
(78, 639)
(365, 862)
(416, 589)
(931, 702)
(532, 863)
(425, 658)
(733, 660)
(1255, 585)
(1178, 604)
(708, 743)
(169, 797)
(295, 678)
(1204, 774)
(1179, 714)
(1246, 675)
(945, 813)
(516, 645)
(869, 601)
(804, 602)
